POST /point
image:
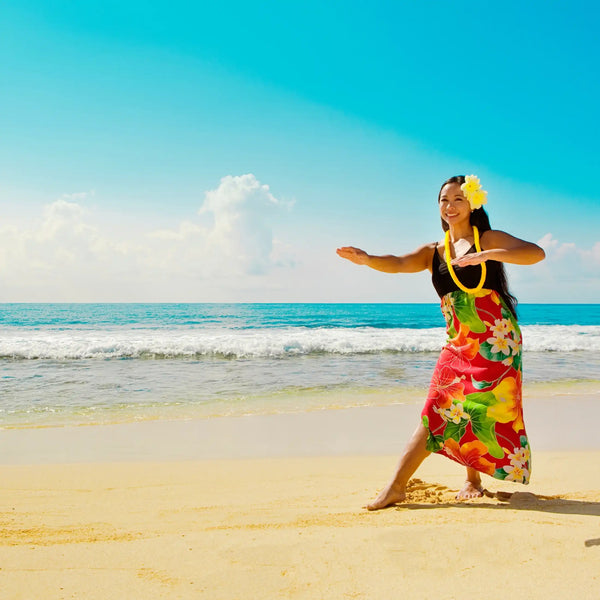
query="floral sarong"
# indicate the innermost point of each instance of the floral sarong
(473, 413)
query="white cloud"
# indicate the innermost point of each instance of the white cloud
(593, 256)
(64, 255)
(571, 258)
(241, 235)
(61, 237)
(234, 237)
(570, 273)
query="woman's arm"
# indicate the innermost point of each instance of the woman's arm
(418, 260)
(503, 247)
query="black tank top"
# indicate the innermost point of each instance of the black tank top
(469, 276)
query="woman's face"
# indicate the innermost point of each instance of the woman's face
(454, 207)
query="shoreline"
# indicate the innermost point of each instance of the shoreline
(560, 422)
(295, 403)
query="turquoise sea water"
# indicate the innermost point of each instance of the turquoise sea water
(79, 363)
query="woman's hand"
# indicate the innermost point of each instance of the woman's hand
(472, 258)
(355, 255)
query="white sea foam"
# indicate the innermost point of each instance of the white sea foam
(285, 342)
(561, 338)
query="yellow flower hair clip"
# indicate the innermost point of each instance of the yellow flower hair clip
(473, 192)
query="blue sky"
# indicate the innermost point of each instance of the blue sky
(121, 121)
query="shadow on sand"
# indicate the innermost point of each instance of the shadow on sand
(437, 496)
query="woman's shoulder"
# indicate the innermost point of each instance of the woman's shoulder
(493, 238)
(429, 249)
(427, 252)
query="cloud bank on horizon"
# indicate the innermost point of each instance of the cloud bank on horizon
(228, 248)
(65, 256)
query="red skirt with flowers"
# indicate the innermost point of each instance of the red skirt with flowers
(473, 413)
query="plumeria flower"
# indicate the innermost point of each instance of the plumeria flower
(500, 344)
(516, 473)
(456, 412)
(447, 311)
(502, 327)
(499, 332)
(471, 184)
(473, 192)
(519, 457)
(448, 303)
(477, 199)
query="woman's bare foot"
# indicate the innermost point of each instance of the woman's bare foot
(390, 495)
(470, 490)
(472, 487)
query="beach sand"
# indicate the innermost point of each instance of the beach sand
(271, 507)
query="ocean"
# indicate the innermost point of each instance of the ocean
(73, 364)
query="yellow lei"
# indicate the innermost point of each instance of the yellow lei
(451, 269)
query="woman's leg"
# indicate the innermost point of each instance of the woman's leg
(414, 454)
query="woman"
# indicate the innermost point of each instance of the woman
(473, 412)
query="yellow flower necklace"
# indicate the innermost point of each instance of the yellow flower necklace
(451, 269)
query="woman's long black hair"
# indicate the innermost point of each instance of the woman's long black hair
(480, 219)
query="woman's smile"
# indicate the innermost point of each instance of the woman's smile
(453, 204)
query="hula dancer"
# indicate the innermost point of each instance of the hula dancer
(473, 412)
